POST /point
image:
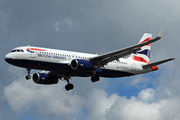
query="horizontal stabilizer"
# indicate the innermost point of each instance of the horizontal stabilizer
(157, 63)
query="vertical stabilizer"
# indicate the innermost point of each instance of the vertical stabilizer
(144, 54)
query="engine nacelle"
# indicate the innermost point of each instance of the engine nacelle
(82, 65)
(45, 78)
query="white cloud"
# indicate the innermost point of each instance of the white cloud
(170, 111)
(65, 24)
(138, 110)
(51, 100)
(104, 107)
(147, 95)
(25, 96)
(97, 103)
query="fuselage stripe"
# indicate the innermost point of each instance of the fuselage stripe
(36, 49)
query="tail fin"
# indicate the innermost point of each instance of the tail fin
(144, 54)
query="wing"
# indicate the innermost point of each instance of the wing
(103, 59)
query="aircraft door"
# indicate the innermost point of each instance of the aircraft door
(133, 66)
(33, 54)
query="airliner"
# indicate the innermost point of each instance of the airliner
(62, 65)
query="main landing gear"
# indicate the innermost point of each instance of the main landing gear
(69, 86)
(95, 78)
(28, 76)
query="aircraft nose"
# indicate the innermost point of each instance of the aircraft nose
(8, 58)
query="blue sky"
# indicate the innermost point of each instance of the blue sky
(123, 88)
(96, 26)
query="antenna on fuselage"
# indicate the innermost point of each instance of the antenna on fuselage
(28, 46)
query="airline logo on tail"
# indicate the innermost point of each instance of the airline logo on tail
(144, 54)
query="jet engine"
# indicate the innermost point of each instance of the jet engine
(82, 65)
(45, 78)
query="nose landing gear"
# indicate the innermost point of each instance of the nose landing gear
(28, 76)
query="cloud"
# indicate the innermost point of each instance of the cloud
(28, 98)
(171, 109)
(65, 24)
(102, 106)
(97, 103)
(147, 95)
(24, 96)
(133, 109)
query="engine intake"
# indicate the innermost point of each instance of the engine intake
(45, 78)
(82, 65)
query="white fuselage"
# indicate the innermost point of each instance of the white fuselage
(59, 60)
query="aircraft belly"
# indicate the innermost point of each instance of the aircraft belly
(62, 68)
(112, 73)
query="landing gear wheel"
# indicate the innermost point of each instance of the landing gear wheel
(28, 77)
(95, 78)
(69, 87)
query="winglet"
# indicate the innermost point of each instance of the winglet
(161, 32)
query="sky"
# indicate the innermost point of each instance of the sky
(95, 26)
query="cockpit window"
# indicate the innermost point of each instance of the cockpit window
(17, 50)
(13, 51)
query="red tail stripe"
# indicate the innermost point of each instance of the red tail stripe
(147, 39)
(140, 59)
(36, 49)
